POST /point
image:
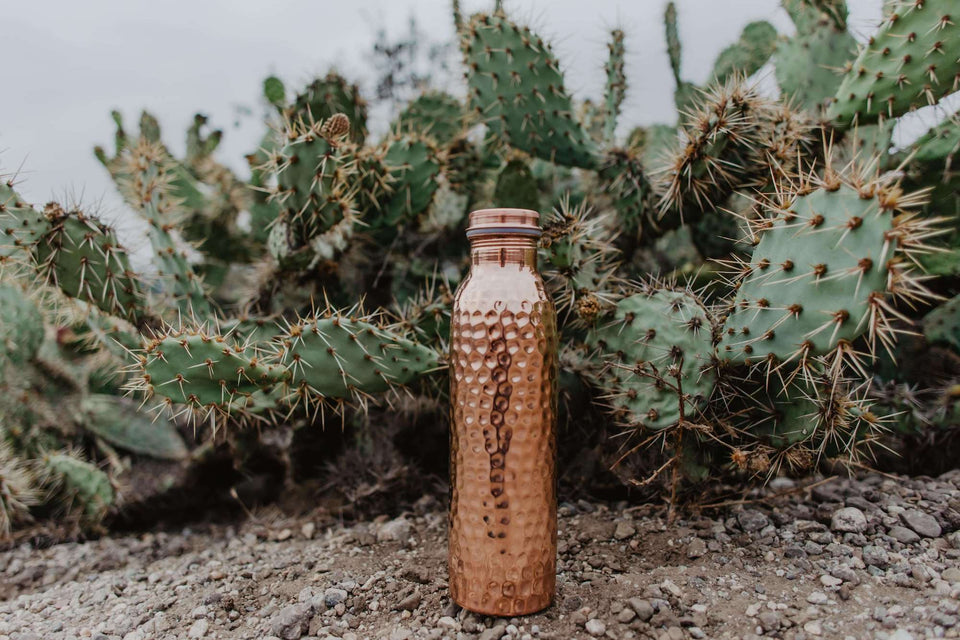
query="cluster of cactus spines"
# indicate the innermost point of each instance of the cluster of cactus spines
(21, 326)
(84, 258)
(658, 359)
(615, 88)
(808, 65)
(718, 153)
(516, 89)
(18, 490)
(830, 261)
(436, 114)
(579, 248)
(21, 227)
(910, 62)
(625, 179)
(326, 96)
(146, 186)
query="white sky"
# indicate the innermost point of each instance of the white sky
(67, 64)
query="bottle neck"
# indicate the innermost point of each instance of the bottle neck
(504, 250)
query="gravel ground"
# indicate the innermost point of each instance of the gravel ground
(875, 557)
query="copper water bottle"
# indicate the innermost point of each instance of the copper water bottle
(503, 358)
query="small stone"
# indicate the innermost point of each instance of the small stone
(902, 535)
(848, 520)
(334, 596)
(642, 607)
(446, 622)
(596, 628)
(285, 534)
(900, 634)
(769, 620)
(817, 597)
(752, 520)
(292, 622)
(199, 629)
(923, 523)
(944, 620)
(696, 548)
(401, 634)
(396, 530)
(951, 575)
(626, 615)
(813, 627)
(307, 530)
(624, 530)
(753, 610)
(411, 602)
(876, 556)
(830, 581)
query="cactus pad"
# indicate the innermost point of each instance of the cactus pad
(516, 89)
(912, 61)
(660, 354)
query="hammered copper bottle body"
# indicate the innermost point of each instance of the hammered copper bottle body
(503, 358)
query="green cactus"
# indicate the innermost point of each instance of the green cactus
(414, 167)
(146, 187)
(18, 490)
(624, 178)
(616, 86)
(21, 227)
(745, 57)
(326, 96)
(659, 351)
(21, 326)
(943, 324)
(910, 62)
(83, 257)
(827, 267)
(117, 421)
(808, 65)
(673, 41)
(516, 187)
(516, 89)
(435, 114)
(78, 485)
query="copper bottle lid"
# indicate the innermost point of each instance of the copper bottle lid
(485, 222)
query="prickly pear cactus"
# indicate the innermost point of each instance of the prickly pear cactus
(516, 89)
(21, 326)
(943, 324)
(827, 268)
(659, 355)
(326, 96)
(435, 114)
(910, 62)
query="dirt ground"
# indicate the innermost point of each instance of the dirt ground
(876, 557)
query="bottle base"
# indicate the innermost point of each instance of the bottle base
(505, 607)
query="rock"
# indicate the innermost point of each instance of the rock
(411, 602)
(830, 581)
(902, 535)
(396, 530)
(495, 632)
(924, 524)
(446, 622)
(817, 597)
(626, 615)
(624, 530)
(292, 622)
(848, 520)
(951, 575)
(596, 628)
(199, 629)
(751, 520)
(769, 620)
(900, 634)
(813, 627)
(696, 548)
(334, 596)
(641, 607)
(944, 619)
(876, 556)
(401, 634)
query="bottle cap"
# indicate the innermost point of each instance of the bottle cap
(523, 222)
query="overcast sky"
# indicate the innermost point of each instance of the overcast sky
(67, 64)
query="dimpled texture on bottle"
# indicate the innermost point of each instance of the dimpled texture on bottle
(503, 355)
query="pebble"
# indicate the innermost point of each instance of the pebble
(848, 519)
(199, 629)
(751, 520)
(951, 575)
(923, 523)
(596, 628)
(334, 596)
(624, 530)
(876, 556)
(813, 627)
(902, 534)
(396, 530)
(817, 597)
(696, 548)
(641, 607)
